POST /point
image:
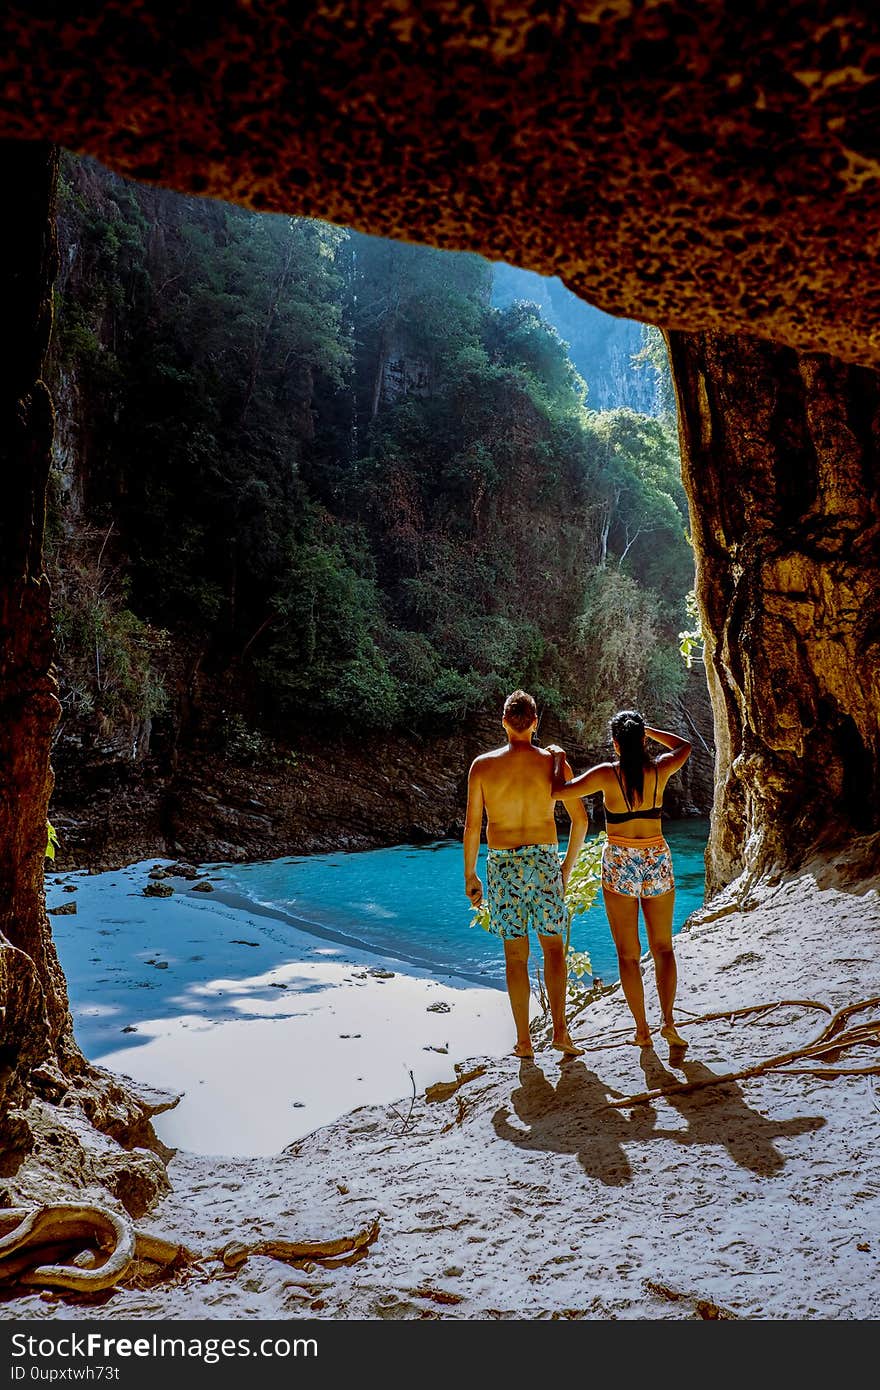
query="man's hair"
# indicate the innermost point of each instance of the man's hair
(520, 711)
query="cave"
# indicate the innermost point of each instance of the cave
(706, 172)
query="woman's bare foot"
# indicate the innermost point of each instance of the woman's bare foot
(524, 1049)
(641, 1039)
(671, 1034)
(564, 1044)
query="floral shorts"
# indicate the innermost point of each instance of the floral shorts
(525, 885)
(637, 868)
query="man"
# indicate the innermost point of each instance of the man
(526, 882)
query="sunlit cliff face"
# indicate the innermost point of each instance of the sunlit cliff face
(678, 162)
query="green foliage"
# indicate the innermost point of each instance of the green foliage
(691, 642)
(52, 841)
(375, 498)
(240, 742)
(111, 661)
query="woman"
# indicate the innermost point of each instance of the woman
(636, 862)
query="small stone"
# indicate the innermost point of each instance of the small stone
(440, 1008)
(298, 1105)
(70, 888)
(182, 870)
(157, 873)
(379, 974)
(129, 1028)
(64, 910)
(158, 890)
(203, 886)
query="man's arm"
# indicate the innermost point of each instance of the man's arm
(473, 828)
(579, 824)
(570, 789)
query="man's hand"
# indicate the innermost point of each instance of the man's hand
(566, 875)
(474, 889)
(555, 750)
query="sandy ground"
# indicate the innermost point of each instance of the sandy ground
(267, 1031)
(525, 1196)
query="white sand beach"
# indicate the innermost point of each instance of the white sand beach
(268, 1031)
(525, 1194)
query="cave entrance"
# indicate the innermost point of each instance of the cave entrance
(787, 567)
(318, 502)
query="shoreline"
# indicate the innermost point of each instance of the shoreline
(530, 1193)
(240, 901)
(202, 993)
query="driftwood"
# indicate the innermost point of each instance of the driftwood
(834, 1039)
(328, 1253)
(85, 1249)
(442, 1090)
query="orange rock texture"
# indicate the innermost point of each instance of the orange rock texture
(686, 162)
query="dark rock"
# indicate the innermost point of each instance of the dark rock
(63, 910)
(158, 890)
(203, 887)
(181, 870)
(157, 873)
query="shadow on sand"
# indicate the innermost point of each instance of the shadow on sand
(573, 1117)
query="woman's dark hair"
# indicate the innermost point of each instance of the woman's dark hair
(628, 729)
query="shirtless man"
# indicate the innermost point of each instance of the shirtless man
(525, 879)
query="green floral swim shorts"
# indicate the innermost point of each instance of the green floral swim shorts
(525, 886)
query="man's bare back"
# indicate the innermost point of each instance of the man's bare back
(516, 784)
(513, 787)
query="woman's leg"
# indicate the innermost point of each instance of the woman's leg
(623, 917)
(658, 920)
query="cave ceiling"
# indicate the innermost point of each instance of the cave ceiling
(682, 163)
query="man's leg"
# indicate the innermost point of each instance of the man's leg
(658, 919)
(516, 960)
(554, 978)
(623, 918)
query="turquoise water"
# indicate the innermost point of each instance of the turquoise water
(409, 902)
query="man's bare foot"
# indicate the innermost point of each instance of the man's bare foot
(523, 1049)
(565, 1045)
(641, 1039)
(671, 1035)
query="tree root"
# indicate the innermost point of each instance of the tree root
(91, 1235)
(703, 1307)
(618, 1037)
(87, 1249)
(442, 1090)
(834, 1039)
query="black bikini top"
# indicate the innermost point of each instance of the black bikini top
(649, 813)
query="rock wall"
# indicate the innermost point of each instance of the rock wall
(781, 459)
(46, 1087)
(32, 985)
